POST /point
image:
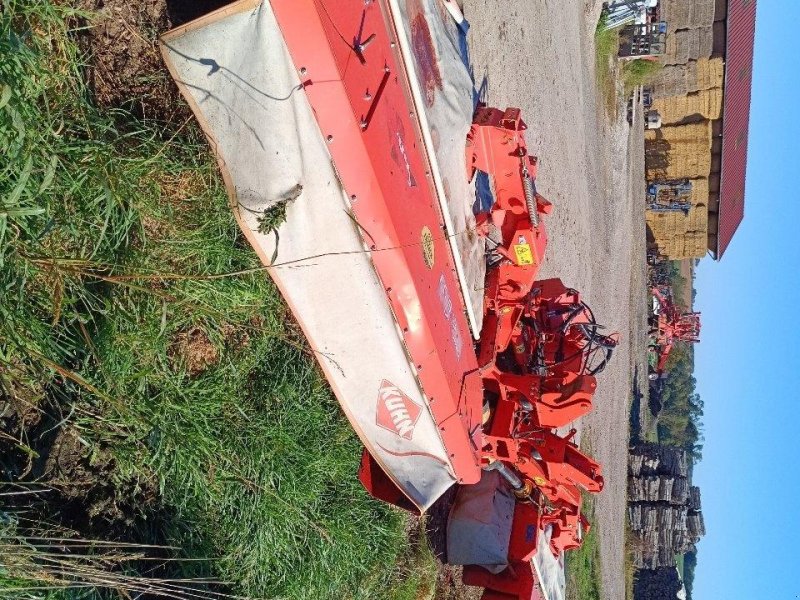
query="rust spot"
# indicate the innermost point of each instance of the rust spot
(425, 55)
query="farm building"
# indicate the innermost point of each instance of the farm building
(703, 97)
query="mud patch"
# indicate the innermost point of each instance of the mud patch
(78, 484)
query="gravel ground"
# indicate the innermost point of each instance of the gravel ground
(540, 56)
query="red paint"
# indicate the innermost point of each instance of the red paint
(376, 164)
(741, 26)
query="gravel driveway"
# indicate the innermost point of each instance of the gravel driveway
(539, 55)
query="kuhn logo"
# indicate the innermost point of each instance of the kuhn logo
(396, 412)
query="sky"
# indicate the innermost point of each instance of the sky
(748, 360)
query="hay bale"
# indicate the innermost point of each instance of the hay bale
(683, 45)
(682, 235)
(705, 104)
(677, 14)
(687, 149)
(710, 73)
(686, 14)
(671, 49)
(705, 40)
(693, 44)
(676, 80)
(700, 194)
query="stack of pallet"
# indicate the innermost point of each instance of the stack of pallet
(657, 584)
(648, 459)
(671, 490)
(663, 507)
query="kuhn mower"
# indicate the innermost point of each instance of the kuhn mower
(455, 365)
(668, 325)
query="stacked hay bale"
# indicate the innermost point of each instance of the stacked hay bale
(688, 149)
(688, 14)
(681, 234)
(664, 509)
(690, 77)
(702, 105)
(689, 97)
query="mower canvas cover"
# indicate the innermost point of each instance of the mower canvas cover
(395, 355)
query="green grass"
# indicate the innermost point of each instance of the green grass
(630, 565)
(639, 72)
(201, 386)
(583, 566)
(606, 43)
(679, 563)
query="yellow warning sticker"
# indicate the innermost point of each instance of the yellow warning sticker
(524, 254)
(540, 481)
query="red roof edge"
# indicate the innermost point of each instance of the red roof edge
(741, 28)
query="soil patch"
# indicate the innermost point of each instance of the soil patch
(125, 68)
(77, 483)
(194, 350)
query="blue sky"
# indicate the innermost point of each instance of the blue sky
(748, 362)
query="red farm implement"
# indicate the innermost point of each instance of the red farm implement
(669, 325)
(455, 364)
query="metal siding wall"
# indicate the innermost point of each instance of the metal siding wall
(736, 117)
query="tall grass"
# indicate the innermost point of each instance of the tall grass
(606, 42)
(583, 569)
(640, 72)
(200, 385)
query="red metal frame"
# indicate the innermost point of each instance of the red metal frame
(351, 70)
(496, 145)
(350, 67)
(673, 326)
(518, 581)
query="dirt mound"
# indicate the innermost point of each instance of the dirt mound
(79, 486)
(125, 69)
(194, 350)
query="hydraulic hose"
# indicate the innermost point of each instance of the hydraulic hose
(521, 490)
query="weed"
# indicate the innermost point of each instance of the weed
(583, 564)
(639, 72)
(606, 43)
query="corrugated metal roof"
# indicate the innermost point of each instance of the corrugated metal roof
(741, 26)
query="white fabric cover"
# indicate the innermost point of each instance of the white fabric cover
(445, 106)
(479, 527)
(479, 532)
(234, 69)
(550, 569)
